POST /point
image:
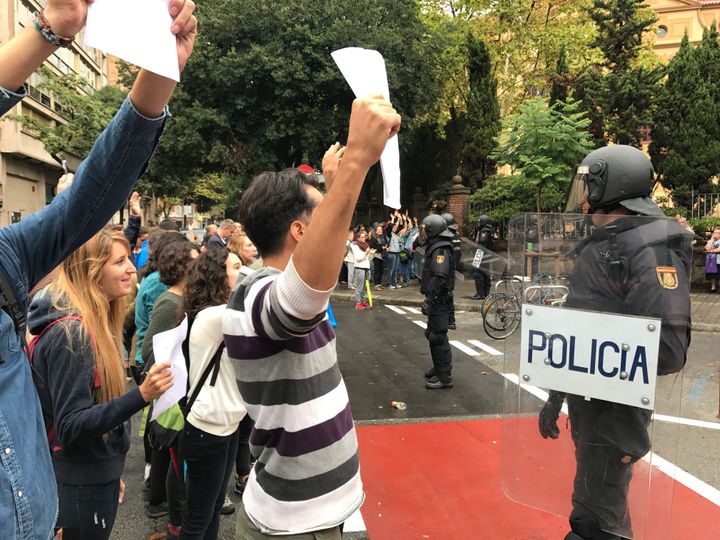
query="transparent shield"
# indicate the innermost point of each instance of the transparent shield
(602, 329)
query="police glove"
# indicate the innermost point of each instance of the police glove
(547, 421)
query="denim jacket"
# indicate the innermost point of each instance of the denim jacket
(28, 251)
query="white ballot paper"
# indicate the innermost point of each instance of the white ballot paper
(138, 31)
(167, 347)
(364, 70)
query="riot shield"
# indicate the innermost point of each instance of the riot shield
(605, 314)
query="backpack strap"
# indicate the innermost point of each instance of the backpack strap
(214, 367)
(9, 303)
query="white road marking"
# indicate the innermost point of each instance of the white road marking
(421, 324)
(395, 309)
(704, 489)
(413, 310)
(687, 421)
(484, 347)
(464, 348)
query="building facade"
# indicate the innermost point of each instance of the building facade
(675, 17)
(28, 174)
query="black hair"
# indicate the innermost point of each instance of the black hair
(174, 262)
(271, 203)
(207, 283)
(157, 242)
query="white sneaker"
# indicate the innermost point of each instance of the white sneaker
(228, 507)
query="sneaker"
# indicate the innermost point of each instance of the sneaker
(359, 306)
(228, 507)
(452, 326)
(240, 486)
(379, 287)
(436, 383)
(157, 511)
(477, 297)
(430, 373)
(367, 305)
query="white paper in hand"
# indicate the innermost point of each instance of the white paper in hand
(365, 72)
(138, 31)
(167, 348)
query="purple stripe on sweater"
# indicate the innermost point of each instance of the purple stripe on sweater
(254, 348)
(297, 443)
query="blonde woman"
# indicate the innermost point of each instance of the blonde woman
(78, 371)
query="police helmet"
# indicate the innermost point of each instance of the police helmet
(611, 176)
(434, 225)
(484, 221)
(450, 220)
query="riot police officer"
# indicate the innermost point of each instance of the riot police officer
(438, 281)
(457, 253)
(629, 265)
(485, 237)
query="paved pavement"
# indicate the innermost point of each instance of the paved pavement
(705, 306)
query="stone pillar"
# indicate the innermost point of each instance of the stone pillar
(419, 201)
(458, 204)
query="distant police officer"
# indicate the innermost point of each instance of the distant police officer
(438, 281)
(457, 253)
(485, 237)
(629, 265)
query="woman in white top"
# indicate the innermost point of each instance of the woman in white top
(210, 436)
(362, 254)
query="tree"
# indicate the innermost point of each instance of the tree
(620, 94)
(543, 144)
(559, 89)
(86, 113)
(262, 91)
(685, 147)
(482, 119)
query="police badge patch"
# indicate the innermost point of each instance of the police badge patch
(440, 259)
(667, 276)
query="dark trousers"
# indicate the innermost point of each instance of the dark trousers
(378, 266)
(210, 460)
(437, 336)
(242, 459)
(166, 484)
(602, 478)
(482, 283)
(159, 463)
(87, 512)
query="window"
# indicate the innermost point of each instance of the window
(662, 31)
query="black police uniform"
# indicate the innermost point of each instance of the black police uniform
(438, 282)
(635, 266)
(486, 239)
(457, 254)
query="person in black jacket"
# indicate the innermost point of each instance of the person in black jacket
(457, 254)
(438, 282)
(485, 237)
(630, 265)
(79, 375)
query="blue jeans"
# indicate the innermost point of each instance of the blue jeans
(392, 260)
(210, 460)
(28, 251)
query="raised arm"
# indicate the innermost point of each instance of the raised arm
(372, 122)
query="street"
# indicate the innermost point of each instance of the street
(433, 469)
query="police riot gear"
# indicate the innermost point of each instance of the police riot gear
(434, 226)
(612, 176)
(438, 281)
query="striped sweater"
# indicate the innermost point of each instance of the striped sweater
(307, 475)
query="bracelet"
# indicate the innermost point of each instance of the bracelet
(42, 26)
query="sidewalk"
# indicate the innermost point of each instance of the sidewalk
(705, 306)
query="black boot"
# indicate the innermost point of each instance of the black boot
(435, 383)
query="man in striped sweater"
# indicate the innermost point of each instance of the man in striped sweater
(306, 481)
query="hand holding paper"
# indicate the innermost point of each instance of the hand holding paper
(162, 36)
(365, 72)
(158, 381)
(167, 350)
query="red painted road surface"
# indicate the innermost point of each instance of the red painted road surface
(442, 481)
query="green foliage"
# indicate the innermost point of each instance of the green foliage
(544, 144)
(482, 119)
(686, 136)
(619, 94)
(261, 90)
(704, 225)
(87, 114)
(559, 90)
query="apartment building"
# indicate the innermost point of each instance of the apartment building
(28, 174)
